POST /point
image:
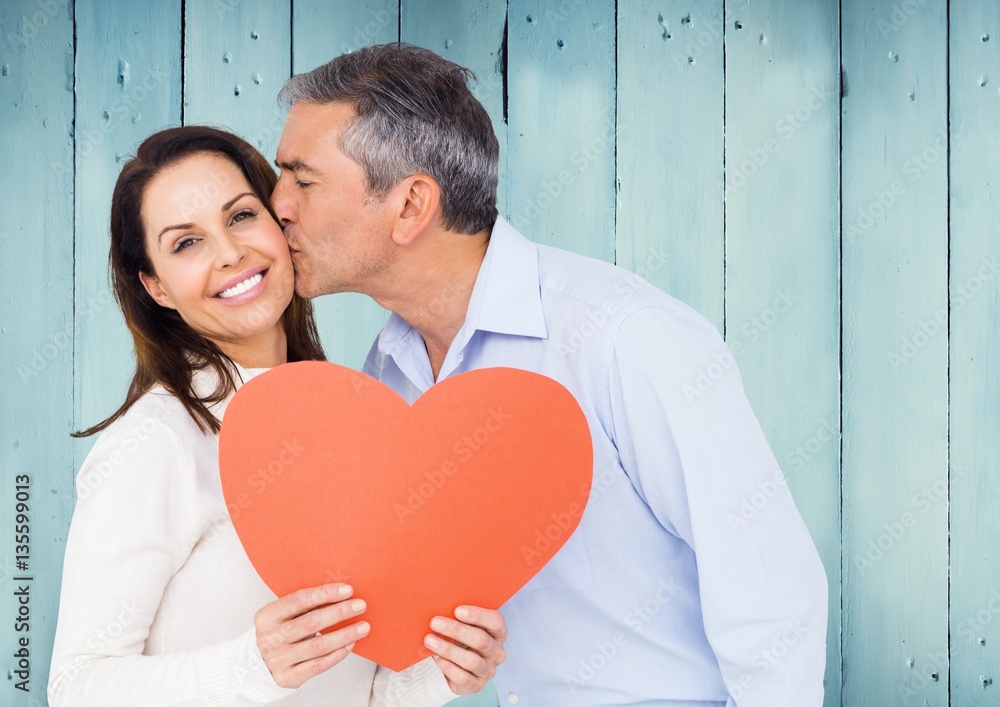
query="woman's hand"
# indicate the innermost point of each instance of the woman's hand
(472, 648)
(288, 632)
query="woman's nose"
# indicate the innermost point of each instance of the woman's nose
(229, 250)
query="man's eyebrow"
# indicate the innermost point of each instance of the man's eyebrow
(297, 166)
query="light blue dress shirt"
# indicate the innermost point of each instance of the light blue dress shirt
(691, 579)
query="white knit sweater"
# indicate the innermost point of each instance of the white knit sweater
(158, 595)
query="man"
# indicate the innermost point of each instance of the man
(388, 187)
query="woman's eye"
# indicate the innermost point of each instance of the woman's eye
(302, 185)
(243, 215)
(183, 244)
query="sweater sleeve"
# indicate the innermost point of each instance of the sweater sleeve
(135, 524)
(420, 685)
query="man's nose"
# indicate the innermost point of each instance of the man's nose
(282, 205)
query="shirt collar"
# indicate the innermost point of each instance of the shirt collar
(506, 298)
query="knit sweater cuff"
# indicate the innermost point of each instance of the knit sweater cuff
(239, 670)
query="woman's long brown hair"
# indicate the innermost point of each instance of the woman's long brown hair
(167, 350)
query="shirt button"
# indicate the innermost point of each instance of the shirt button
(513, 699)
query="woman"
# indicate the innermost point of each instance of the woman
(160, 605)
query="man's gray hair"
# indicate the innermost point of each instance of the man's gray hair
(415, 115)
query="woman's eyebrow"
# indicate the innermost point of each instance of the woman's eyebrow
(228, 204)
(225, 207)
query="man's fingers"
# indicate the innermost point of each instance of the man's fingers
(469, 660)
(475, 638)
(461, 681)
(488, 619)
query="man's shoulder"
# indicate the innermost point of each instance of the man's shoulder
(600, 287)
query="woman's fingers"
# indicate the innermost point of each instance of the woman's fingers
(298, 603)
(318, 619)
(298, 674)
(324, 644)
(287, 631)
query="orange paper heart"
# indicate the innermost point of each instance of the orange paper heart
(329, 476)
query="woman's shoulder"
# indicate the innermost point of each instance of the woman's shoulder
(156, 438)
(157, 412)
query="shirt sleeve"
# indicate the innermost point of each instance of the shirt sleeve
(695, 453)
(420, 685)
(134, 525)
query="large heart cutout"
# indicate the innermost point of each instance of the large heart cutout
(330, 476)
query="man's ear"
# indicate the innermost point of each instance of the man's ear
(419, 200)
(152, 286)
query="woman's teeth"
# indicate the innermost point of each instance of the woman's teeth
(239, 289)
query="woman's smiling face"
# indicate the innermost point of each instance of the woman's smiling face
(218, 256)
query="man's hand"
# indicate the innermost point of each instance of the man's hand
(471, 647)
(288, 632)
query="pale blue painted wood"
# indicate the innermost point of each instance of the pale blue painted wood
(782, 254)
(561, 124)
(470, 34)
(895, 199)
(237, 55)
(670, 162)
(975, 362)
(128, 71)
(328, 28)
(348, 323)
(36, 321)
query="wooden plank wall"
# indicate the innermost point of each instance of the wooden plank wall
(816, 177)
